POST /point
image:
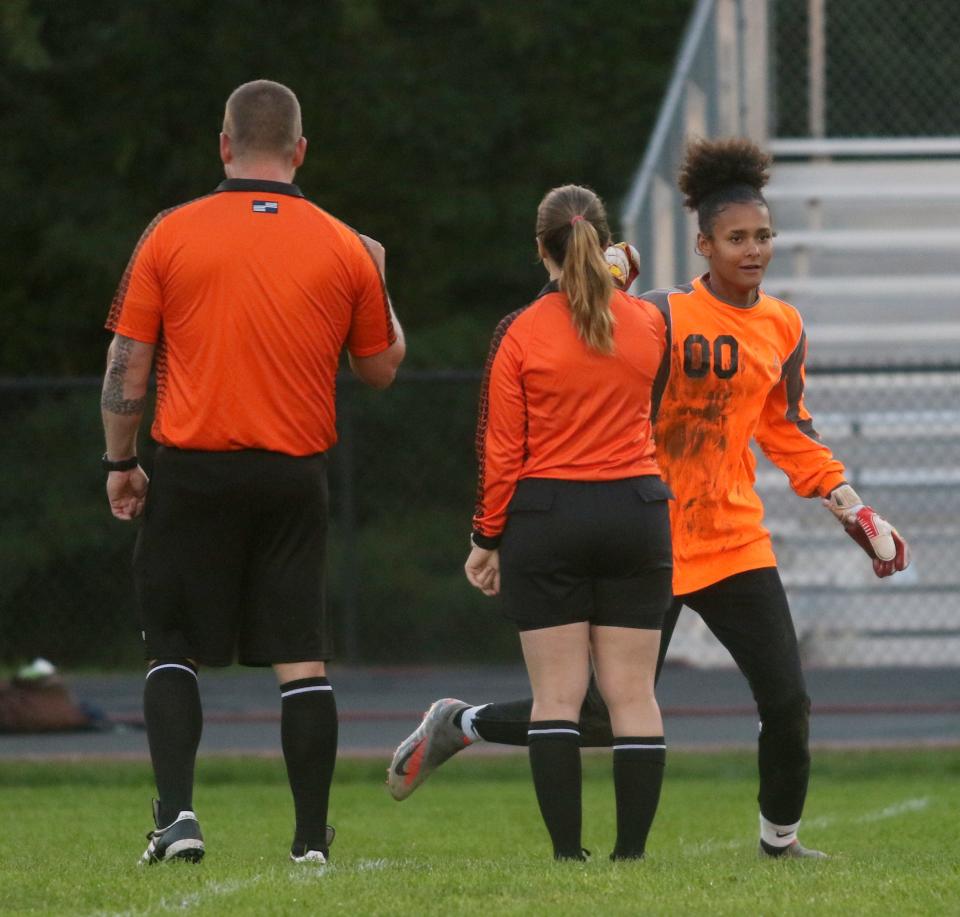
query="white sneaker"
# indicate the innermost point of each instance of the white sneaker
(310, 856)
(302, 855)
(180, 840)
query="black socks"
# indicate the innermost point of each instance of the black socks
(506, 723)
(174, 721)
(638, 763)
(554, 747)
(308, 731)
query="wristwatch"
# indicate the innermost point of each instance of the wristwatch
(126, 464)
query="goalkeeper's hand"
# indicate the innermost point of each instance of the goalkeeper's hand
(882, 542)
(624, 263)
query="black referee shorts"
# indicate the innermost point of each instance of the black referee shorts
(596, 551)
(230, 558)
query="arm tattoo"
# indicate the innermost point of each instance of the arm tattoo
(112, 397)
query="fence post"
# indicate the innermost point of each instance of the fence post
(754, 29)
(817, 67)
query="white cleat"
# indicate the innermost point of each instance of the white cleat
(315, 857)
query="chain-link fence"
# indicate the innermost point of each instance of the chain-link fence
(402, 482)
(865, 68)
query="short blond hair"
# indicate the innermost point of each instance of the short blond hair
(262, 118)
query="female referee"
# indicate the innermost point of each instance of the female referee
(572, 524)
(736, 373)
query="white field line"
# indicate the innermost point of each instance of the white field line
(901, 808)
(821, 821)
(186, 902)
(213, 890)
(298, 874)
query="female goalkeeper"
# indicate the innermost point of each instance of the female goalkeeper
(736, 373)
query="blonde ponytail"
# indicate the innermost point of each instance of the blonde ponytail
(587, 282)
(572, 228)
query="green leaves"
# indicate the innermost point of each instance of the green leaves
(434, 127)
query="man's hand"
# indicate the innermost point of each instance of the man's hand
(881, 541)
(127, 492)
(624, 263)
(483, 570)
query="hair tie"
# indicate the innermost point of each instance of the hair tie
(577, 218)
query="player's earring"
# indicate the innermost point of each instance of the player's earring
(698, 251)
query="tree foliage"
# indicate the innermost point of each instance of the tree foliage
(435, 127)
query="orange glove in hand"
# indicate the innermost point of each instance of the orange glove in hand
(624, 262)
(882, 542)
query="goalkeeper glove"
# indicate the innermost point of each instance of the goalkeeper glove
(624, 263)
(882, 542)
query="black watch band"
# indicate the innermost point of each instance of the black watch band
(126, 464)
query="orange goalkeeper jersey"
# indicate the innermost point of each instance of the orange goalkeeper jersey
(736, 374)
(551, 407)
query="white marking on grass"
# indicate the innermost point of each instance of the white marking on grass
(900, 808)
(312, 875)
(818, 823)
(187, 902)
(700, 847)
(213, 890)
(371, 865)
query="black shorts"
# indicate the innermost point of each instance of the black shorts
(230, 558)
(596, 551)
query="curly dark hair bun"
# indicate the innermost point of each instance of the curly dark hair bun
(710, 166)
(716, 173)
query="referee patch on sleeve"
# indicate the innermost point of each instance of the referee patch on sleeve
(265, 206)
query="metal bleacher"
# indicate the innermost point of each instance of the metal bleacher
(868, 249)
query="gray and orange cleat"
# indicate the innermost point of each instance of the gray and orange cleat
(794, 851)
(180, 840)
(434, 741)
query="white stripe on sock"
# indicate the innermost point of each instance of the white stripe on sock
(621, 747)
(293, 691)
(172, 665)
(544, 732)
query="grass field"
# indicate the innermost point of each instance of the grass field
(471, 842)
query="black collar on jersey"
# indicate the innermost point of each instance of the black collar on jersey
(259, 184)
(553, 286)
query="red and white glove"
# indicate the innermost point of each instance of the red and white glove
(882, 542)
(624, 262)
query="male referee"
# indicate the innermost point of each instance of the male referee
(245, 299)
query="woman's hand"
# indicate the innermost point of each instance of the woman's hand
(483, 570)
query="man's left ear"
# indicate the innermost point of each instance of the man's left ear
(299, 152)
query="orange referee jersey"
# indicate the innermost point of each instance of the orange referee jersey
(250, 293)
(551, 407)
(736, 374)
